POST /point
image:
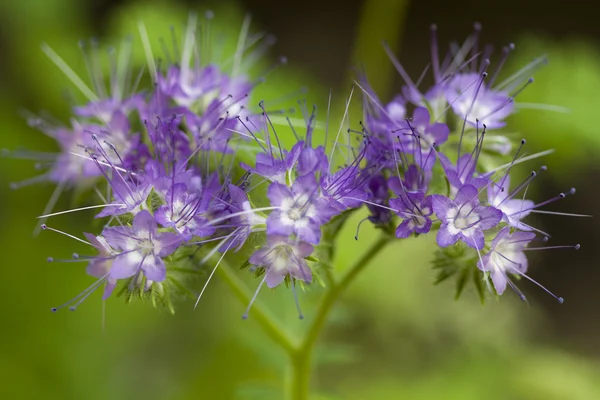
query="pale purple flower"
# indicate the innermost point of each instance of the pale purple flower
(210, 101)
(420, 136)
(379, 194)
(415, 209)
(234, 201)
(169, 141)
(386, 118)
(101, 265)
(345, 189)
(464, 172)
(105, 109)
(129, 196)
(472, 99)
(463, 218)
(197, 88)
(283, 257)
(413, 181)
(513, 210)
(70, 165)
(506, 256)
(298, 210)
(184, 212)
(142, 248)
(312, 161)
(276, 166)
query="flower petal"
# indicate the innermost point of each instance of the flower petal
(444, 238)
(154, 268)
(126, 265)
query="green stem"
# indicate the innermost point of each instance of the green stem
(264, 318)
(301, 358)
(299, 378)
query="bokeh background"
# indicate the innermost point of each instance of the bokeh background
(395, 335)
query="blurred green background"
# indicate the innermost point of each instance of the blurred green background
(394, 335)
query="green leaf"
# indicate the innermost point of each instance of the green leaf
(463, 277)
(460, 261)
(478, 282)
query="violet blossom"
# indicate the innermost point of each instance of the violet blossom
(283, 257)
(298, 210)
(142, 248)
(463, 218)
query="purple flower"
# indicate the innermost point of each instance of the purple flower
(142, 248)
(384, 119)
(277, 167)
(191, 87)
(379, 195)
(198, 88)
(472, 99)
(184, 212)
(129, 196)
(464, 218)
(210, 100)
(381, 124)
(414, 181)
(281, 257)
(162, 178)
(420, 136)
(434, 99)
(169, 141)
(70, 166)
(101, 265)
(105, 109)
(234, 210)
(415, 208)
(506, 256)
(312, 161)
(513, 210)
(345, 189)
(298, 211)
(463, 173)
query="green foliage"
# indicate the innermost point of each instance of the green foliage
(459, 261)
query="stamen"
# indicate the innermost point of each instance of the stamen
(46, 227)
(245, 315)
(218, 262)
(576, 247)
(341, 127)
(358, 227)
(300, 315)
(81, 296)
(559, 299)
(81, 209)
(505, 52)
(479, 85)
(50, 205)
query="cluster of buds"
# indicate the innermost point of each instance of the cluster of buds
(179, 197)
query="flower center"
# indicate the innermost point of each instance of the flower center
(419, 220)
(295, 213)
(146, 247)
(465, 218)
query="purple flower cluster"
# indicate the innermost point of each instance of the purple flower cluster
(457, 112)
(169, 157)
